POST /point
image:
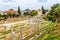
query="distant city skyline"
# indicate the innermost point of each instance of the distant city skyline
(26, 4)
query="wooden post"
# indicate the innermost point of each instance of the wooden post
(21, 38)
(5, 34)
(12, 33)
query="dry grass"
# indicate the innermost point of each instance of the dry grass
(26, 31)
(10, 20)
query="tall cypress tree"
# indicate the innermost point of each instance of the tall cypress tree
(43, 11)
(19, 10)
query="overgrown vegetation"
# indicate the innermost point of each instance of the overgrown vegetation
(33, 13)
(54, 13)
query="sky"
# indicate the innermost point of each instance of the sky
(26, 4)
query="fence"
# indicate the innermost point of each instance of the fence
(19, 31)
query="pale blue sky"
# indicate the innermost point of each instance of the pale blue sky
(24, 4)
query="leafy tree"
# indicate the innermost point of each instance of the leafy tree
(50, 17)
(55, 6)
(26, 13)
(4, 17)
(17, 15)
(13, 14)
(9, 14)
(33, 13)
(55, 12)
(0, 15)
(19, 10)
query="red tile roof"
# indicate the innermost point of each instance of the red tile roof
(11, 10)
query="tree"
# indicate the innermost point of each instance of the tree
(33, 13)
(0, 15)
(26, 13)
(55, 6)
(55, 12)
(50, 17)
(14, 14)
(19, 10)
(4, 17)
(9, 14)
(43, 10)
(17, 15)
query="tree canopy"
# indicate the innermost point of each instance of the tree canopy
(54, 12)
(33, 13)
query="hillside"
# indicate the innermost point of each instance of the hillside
(53, 34)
